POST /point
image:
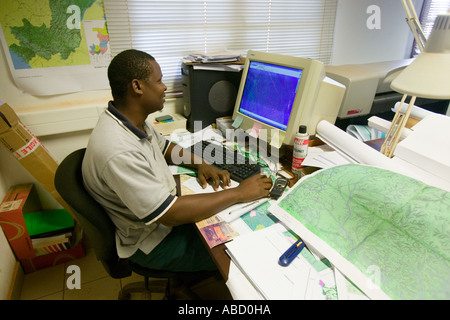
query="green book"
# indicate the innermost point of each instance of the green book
(49, 222)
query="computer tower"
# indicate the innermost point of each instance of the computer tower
(208, 95)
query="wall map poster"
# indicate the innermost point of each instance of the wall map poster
(55, 46)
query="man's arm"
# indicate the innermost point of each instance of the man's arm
(196, 207)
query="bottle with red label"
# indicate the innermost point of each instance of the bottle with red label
(300, 151)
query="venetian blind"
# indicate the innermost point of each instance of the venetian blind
(170, 30)
(430, 9)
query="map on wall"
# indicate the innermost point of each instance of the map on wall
(55, 46)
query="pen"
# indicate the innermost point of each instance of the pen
(233, 214)
(247, 205)
(290, 254)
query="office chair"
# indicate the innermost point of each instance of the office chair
(100, 230)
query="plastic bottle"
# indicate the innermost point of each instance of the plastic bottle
(300, 151)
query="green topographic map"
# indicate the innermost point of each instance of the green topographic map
(380, 220)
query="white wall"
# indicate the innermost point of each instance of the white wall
(354, 43)
(7, 264)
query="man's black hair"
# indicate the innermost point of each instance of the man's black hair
(126, 66)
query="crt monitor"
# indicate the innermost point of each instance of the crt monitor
(279, 93)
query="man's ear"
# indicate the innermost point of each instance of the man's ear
(136, 86)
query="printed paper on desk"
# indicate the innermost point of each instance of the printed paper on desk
(256, 254)
(323, 157)
(428, 146)
(239, 286)
(194, 185)
(187, 139)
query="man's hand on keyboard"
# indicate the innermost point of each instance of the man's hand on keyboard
(218, 177)
(255, 187)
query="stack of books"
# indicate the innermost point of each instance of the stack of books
(50, 231)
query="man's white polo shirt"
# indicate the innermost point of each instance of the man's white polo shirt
(125, 171)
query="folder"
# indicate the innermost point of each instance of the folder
(49, 222)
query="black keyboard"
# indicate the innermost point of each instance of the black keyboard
(237, 165)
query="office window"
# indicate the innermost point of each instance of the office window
(430, 9)
(170, 30)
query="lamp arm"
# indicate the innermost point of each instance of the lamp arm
(414, 24)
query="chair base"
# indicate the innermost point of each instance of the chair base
(146, 288)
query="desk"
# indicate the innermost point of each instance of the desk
(218, 253)
(248, 253)
(220, 257)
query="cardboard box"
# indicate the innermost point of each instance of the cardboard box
(29, 151)
(53, 259)
(19, 200)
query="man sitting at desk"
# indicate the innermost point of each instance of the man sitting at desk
(125, 169)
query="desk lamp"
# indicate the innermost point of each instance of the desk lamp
(414, 24)
(428, 76)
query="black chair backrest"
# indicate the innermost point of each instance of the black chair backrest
(93, 219)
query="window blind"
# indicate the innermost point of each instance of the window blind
(430, 9)
(170, 30)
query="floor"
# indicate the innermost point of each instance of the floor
(96, 284)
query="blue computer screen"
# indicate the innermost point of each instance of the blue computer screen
(269, 93)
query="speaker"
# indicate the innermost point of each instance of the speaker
(208, 95)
